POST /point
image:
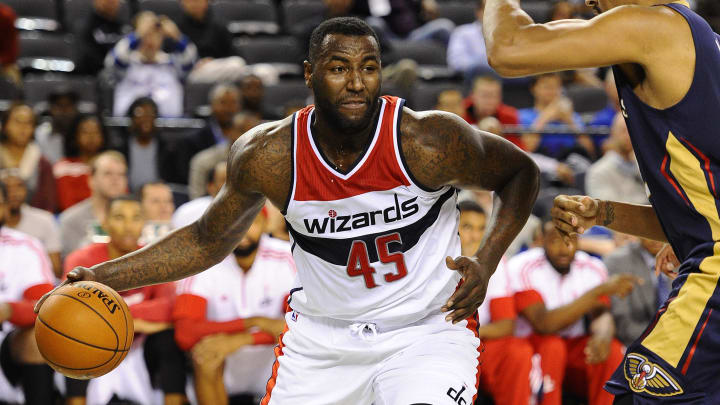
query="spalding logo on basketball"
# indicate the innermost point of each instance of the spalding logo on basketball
(84, 329)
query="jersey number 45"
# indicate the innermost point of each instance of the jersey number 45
(359, 260)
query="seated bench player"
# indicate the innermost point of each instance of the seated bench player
(230, 317)
(506, 363)
(154, 360)
(555, 287)
(25, 275)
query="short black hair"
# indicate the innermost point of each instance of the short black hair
(142, 101)
(470, 205)
(350, 26)
(125, 198)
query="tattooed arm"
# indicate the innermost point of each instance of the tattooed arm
(258, 166)
(442, 149)
(573, 215)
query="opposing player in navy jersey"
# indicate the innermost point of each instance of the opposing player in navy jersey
(368, 188)
(666, 61)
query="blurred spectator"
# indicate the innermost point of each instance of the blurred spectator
(193, 209)
(466, 51)
(9, 46)
(145, 69)
(562, 10)
(450, 101)
(293, 106)
(607, 114)
(414, 20)
(50, 134)
(203, 162)
(506, 365)
(634, 313)
(158, 208)
(555, 287)
(252, 91)
(616, 175)
(26, 276)
(103, 28)
(85, 140)
(80, 224)
(35, 222)
(211, 37)
(551, 108)
(221, 313)
(154, 354)
(485, 100)
(17, 150)
(224, 103)
(150, 156)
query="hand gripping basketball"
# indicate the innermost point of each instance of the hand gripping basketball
(77, 274)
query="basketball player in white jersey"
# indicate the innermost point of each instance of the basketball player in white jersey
(367, 188)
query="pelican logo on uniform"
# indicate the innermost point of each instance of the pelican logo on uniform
(342, 223)
(455, 395)
(648, 377)
(104, 298)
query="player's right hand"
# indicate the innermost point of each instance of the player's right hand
(574, 214)
(77, 274)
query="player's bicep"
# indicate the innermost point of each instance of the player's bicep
(622, 35)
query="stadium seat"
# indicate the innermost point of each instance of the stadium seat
(281, 52)
(277, 96)
(38, 87)
(424, 95)
(196, 99)
(459, 12)
(517, 96)
(76, 13)
(587, 99)
(170, 8)
(35, 14)
(429, 55)
(295, 12)
(248, 17)
(538, 10)
(45, 52)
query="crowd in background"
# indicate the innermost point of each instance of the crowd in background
(84, 182)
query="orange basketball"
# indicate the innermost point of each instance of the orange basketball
(84, 329)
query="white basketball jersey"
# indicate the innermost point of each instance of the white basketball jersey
(369, 244)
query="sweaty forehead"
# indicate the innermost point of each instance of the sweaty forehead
(349, 46)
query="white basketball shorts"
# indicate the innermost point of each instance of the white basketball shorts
(323, 361)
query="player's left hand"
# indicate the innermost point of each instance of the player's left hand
(597, 349)
(468, 297)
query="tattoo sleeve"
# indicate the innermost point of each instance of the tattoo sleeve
(609, 214)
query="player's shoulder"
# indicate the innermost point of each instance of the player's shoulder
(431, 127)
(263, 153)
(270, 135)
(640, 21)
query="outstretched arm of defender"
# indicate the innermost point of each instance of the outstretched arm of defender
(626, 34)
(573, 215)
(195, 247)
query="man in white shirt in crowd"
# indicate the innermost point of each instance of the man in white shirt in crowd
(229, 317)
(35, 222)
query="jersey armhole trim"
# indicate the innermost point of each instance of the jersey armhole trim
(293, 146)
(401, 156)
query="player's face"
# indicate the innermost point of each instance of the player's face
(471, 230)
(157, 203)
(345, 80)
(558, 253)
(250, 241)
(124, 224)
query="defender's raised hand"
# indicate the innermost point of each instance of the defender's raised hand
(77, 274)
(468, 297)
(574, 214)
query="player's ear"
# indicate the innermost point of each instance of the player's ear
(307, 73)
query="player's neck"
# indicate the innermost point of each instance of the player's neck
(246, 262)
